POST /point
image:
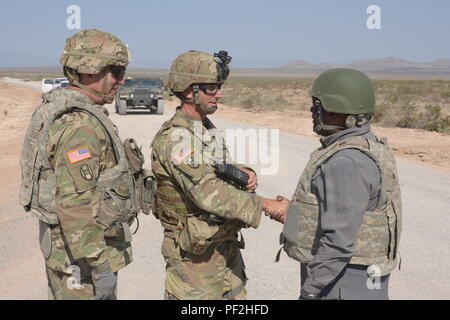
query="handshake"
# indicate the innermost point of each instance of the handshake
(276, 209)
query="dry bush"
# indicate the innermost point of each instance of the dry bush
(267, 94)
(413, 104)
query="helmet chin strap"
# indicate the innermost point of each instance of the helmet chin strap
(103, 94)
(205, 108)
(322, 126)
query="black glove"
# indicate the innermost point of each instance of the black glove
(105, 282)
(308, 296)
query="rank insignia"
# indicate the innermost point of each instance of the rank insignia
(86, 172)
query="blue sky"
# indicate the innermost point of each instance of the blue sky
(256, 33)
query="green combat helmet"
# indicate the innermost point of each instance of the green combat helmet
(90, 52)
(194, 68)
(343, 91)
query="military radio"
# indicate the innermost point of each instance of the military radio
(232, 174)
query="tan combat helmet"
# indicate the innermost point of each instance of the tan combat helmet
(194, 67)
(90, 52)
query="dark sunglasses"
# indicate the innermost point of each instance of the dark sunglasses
(210, 88)
(118, 72)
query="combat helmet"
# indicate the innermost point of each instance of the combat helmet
(196, 67)
(344, 91)
(90, 52)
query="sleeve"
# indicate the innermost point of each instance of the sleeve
(210, 193)
(77, 163)
(343, 192)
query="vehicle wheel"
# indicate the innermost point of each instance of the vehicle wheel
(123, 106)
(160, 109)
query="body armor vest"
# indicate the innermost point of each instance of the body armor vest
(38, 185)
(182, 220)
(378, 238)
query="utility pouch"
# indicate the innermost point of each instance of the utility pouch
(112, 206)
(134, 155)
(196, 236)
(119, 232)
(45, 240)
(148, 192)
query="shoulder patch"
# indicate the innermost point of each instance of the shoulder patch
(180, 154)
(78, 155)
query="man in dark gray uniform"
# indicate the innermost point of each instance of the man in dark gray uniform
(344, 221)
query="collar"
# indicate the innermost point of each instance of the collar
(208, 131)
(350, 132)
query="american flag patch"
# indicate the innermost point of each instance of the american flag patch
(182, 154)
(78, 155)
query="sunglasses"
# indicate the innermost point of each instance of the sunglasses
(210, 88)
(118, 72)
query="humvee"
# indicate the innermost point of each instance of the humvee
(140, 94)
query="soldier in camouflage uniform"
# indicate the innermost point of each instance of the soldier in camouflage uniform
(344, 221)
(75, 175)
(201, 214)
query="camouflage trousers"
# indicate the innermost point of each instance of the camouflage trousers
(219, 274)
(67, 279)
(75, 286)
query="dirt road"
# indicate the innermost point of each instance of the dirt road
(424, 246)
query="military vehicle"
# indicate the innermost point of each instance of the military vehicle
(141, 94)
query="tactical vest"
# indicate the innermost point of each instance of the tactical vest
(182, 220)
(38, 185)
(378, 238)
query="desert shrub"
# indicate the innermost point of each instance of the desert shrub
(432, 119)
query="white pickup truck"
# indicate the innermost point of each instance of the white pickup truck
(49, 84)
(61, 83)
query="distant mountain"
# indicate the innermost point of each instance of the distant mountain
(385, 68)
(385, 65)
(304, 65)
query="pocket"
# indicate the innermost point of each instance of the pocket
(112, 204)
(196, 236)
(46, 193)
(291, 228)
(45, 239)
(148, 194)
(374, 235)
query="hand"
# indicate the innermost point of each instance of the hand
(252, 180)
(276, 209)
(105, 283)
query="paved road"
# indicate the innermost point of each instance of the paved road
(424, 247)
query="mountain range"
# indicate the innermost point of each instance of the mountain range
(389, 67)
(384, 65)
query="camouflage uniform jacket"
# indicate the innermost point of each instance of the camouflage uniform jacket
(77, 237)
(188, 191)
(198, 184)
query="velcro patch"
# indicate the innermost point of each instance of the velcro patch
(78, 155)
(179, 155)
